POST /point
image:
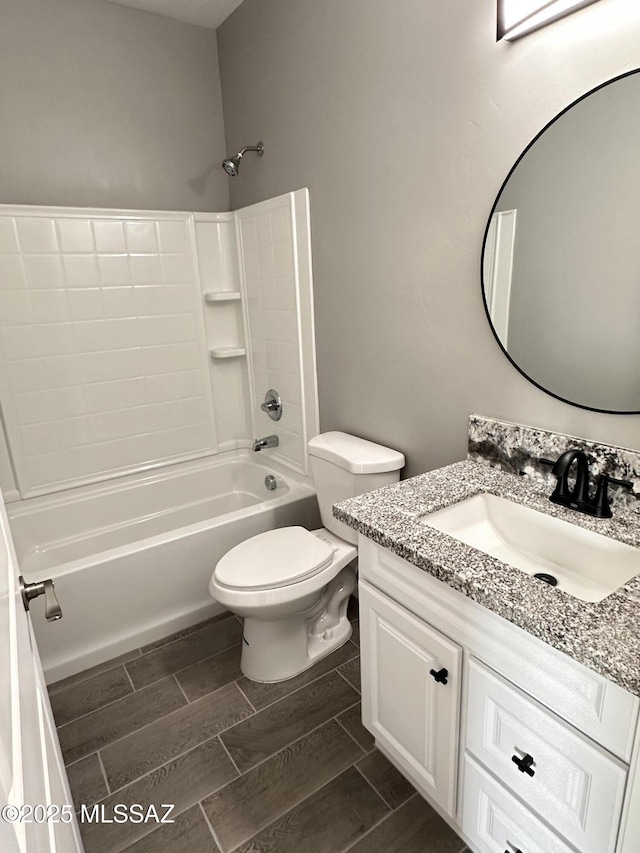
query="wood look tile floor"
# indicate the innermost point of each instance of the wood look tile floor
(252, 768)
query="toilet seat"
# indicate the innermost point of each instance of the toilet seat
(274, 559)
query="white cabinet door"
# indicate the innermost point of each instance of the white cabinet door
(37, 812)
(411, 693)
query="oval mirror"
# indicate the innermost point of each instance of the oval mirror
(561, 255)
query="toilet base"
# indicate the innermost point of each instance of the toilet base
(283, 648)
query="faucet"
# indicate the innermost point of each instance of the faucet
(579, 498)
(562, 494)
(267, 441)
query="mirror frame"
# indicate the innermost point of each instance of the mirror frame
(484, 246)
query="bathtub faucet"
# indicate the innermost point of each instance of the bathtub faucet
(267, 441)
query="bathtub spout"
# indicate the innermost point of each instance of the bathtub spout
(267, 441)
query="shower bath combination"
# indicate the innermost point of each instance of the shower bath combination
(231, 165)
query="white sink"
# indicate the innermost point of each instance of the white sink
(587, 565)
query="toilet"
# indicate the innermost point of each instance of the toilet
(291, 585)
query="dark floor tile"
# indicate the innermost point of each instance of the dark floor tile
(278, 725)
(182, 653)
(102, 727)
(250, 803)
(94, 670)
(210, 674)
(86, 781)
(260, 695)
(351, 719)
(413, 828)
(166, 738)
(383, 776)
(351, 671)
(355, 637)
(326, 822)
(191, 629)
(189, 834)
(86, 696)
(182, 783)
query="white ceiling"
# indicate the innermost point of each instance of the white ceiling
(203, 13)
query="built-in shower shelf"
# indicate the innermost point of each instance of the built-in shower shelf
(227, 352)
(222, 296)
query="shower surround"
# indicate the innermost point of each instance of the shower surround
(135, 343)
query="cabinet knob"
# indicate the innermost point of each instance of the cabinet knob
(440, 676)
(524, 764)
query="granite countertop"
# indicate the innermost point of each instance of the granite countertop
(604, 636)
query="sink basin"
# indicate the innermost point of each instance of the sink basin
(587, 565)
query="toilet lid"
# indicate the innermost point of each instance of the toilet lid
(275, 558)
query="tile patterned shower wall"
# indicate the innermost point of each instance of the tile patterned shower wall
(276, 278)
(104, 367)
(220, 281)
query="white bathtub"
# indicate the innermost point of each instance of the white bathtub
(131, 559)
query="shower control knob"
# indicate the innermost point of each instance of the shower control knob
(52, 609)
(272, 404)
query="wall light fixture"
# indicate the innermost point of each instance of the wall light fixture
(518, 17)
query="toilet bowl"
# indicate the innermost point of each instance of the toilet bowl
(291, 585)
(292, 588)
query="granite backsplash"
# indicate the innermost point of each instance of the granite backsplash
(518, 449)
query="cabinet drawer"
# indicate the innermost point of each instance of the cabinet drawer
(496, 822)
(602, 710)
(411, 694)
(570, 782)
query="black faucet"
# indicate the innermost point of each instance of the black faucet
(579, 498)
(562, 494)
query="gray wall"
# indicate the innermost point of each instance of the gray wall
(105, 106)
(403, 117)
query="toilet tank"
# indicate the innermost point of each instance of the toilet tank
(343, 466)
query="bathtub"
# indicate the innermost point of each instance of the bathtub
(131, 559)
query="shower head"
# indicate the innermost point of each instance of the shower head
(231, 165)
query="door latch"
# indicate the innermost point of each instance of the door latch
(52, 609)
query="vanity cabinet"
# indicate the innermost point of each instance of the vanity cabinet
(528, 751)
(411, 693)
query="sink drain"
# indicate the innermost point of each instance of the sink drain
(547, 578)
